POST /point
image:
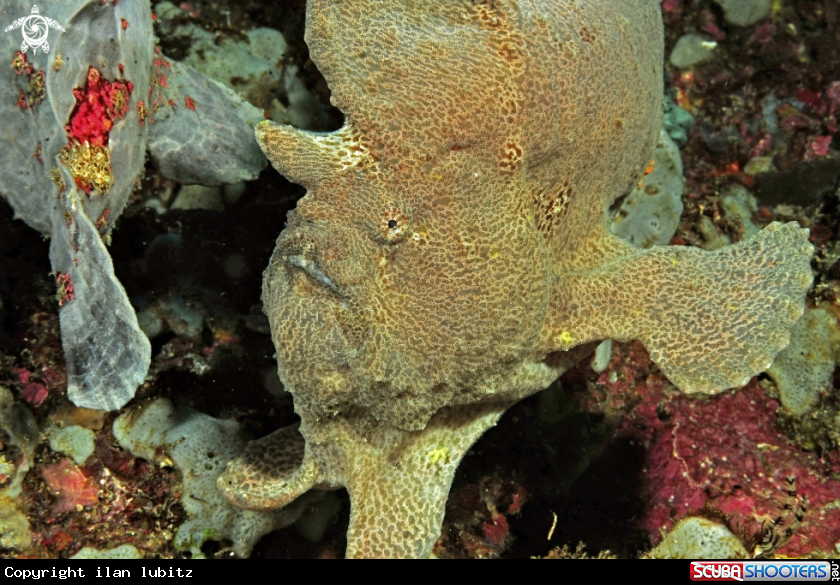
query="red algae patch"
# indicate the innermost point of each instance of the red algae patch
(725, 457)
(98, 105)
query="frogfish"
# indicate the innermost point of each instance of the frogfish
(452, 254)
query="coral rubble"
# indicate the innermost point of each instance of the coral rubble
(200, 447)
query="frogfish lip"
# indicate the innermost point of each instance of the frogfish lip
(298, 248)
(312, 270)
(313, 282)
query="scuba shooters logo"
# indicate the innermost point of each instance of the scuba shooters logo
(716, 571)
(787, 570)
(34, 30)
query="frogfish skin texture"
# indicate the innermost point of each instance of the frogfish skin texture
(452, 255)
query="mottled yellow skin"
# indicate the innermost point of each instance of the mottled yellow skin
(452, 255)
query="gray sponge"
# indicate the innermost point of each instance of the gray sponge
(57, 150)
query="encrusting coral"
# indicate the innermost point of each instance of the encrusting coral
(453, 252)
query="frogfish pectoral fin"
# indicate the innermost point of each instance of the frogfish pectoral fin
(710, 320)
(270, 473)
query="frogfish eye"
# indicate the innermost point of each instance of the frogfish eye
(393, 225)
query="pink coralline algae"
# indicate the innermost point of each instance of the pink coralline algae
(818, 147)
(34, 394)
(65, 292)
(710, 25)
(813, 99)
(764, 33)
(724, 456)
(476, 524)
(73, 488)
(833, 96)
(36, 89)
